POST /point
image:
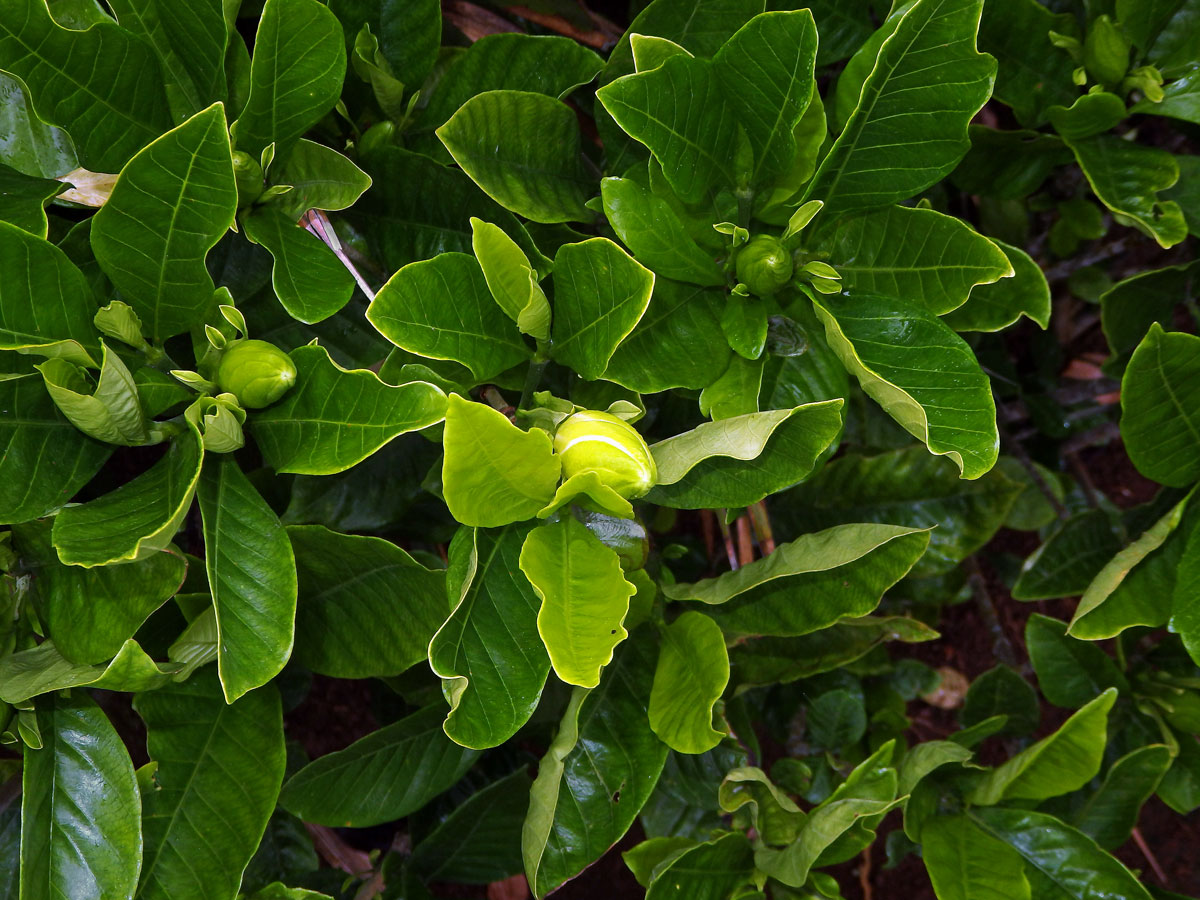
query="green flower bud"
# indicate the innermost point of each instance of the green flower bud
(255, 372)
(1106, 51)
(599, 442)
(764, 265)
(249, 177)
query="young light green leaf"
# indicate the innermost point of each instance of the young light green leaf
(680, 112)
(842, 572)
(488, 653)
(442, 308)
(251, 576)
(32, 481)
(589, 491)
(578, 810)
(511, 279)
(1160, 407)
(766, 72)
(78, 841)
(137, 519)
(406, 764)
(299, 433)
(916, 255)
(600, 294)
(965, 863)
(738, 461)
(46, 306)
(692, 671)
(43, 670)
(103, 84)
(90, 613)
(522, 148)
(376, 625)
(494, 473)
(172, 203)
(1060, 855)
(189, 40)
(1063, 762)
(921, 373)
(995, 306)
(584, 598)
(650, 228)
(219, 771)
(1127, 178)
(112, 412)
(309, 280)
(678, 342)
(910, 126)
(295, 75)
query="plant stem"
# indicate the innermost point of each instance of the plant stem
(533, 378)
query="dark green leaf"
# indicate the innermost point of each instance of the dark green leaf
(1002, 692)
(709, 871)
(1111, 812)
(309, 280)
(995, 306)
(1160, 407)
(27, 143)
(835, 720)
(321, 178)
(1033, 73)
(1070, 558)
(1070, 672)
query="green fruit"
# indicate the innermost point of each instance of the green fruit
(249, 177)
(599, 442)
(256, 372)
(764, 265)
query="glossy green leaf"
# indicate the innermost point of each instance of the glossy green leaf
(24, 200)
(600, 294)
(584, 598)
(922, 374)
(919, 256)
(1070, 558)
(738, 461)
(836, 719)
(677, 343)
(383, 776)
(709, 871)
(78, 841)
(906, 487)
(321, 178)
(442, 308)
(511, 279)
(29, 144)
(736, 392)
(299, 434)
(103, 85)
(910, 126)
(494, 473)
(1131, 306)
(842, 571)
(32, 481)
(189, 40)
(965, 863)
(541, 64)
(1127, 177)
(652, 231)
(480, 841)
(597, 774)
(692, 671)
(1058, 764)
(46, 307)
(680, 113)
(170, 206)
(1068, 859)
(375, 625)
(137, 519)
(766, 71)
(772, 813)
(111, 412)
(1160, 407)
(309, 280)
(219, 771)
(295, 74)
(1001, 693)
(1181, 100)
(90, 613)
(995, 306)
(1070, 672)
(1135, 587)
(251, 576)
(42, 670)
(488, 653)
(522, 148)
(1111, 812)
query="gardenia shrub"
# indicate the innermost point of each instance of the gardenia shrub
(437, 447)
